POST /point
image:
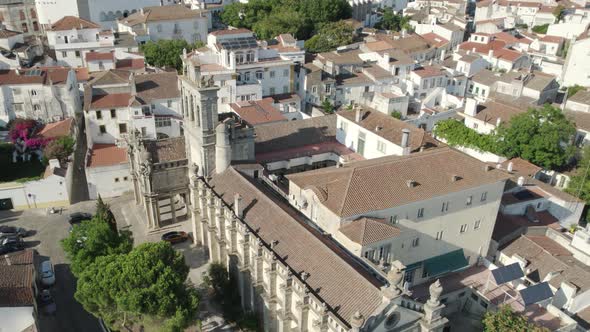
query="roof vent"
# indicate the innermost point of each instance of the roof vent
(455, 178)
(488, 168)
(411, 183)
(510, 167)
(304, 275)
(378, 128)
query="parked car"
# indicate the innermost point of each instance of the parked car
(47, 273)
(78, 217)
(11, 243)
(175, 237)
(47, 302)
(12, 230)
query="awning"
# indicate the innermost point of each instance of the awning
(451, 261)
(414, 266)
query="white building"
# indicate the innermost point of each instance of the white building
(577, 63)
(106, 12)
(45, 94)
(72, 38)
(421, 215)
(52, 11)
(243, 69)
(20, 15)
(107, 171)
(167, 22)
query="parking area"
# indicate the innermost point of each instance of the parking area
(48, 230)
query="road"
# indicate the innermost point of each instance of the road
(79, 190)
(49, 230)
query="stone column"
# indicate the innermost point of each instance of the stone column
(157, 214)
(173, 208)
(195, 212)
(136, 193)
(433, 321)
(149, 209)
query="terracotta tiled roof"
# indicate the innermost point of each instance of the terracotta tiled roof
(257, 112)
(491, 111)
(285, 135)
(507, 54)
(429, 71)
(552, 39)
(5, 33)
(378, 184)
(57, 129)
(522, 167)
(16, 279)
(334, 277)
(482, 48)
(157, 86)
(434, 39)
(113, 100)
(110, 77)
(107, 155)
(366, 231)
(166, 150)
(386, 127)
(229, 32)
(73, 22)
(130, 64)
(162, 13)
(96, 56)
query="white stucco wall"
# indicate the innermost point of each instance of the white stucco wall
(103, 180)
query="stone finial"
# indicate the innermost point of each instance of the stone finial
(435, 290)
(357, 320)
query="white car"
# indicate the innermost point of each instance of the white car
(47, 273)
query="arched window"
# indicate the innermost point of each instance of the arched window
(111, 16)
(33, 13)
(36, 107)
(250, 56)
(192, 110)
(119, 14)
(126, 13)
(25, 27)
(198, 116)
(103, 16)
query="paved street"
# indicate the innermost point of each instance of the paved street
(49, 230)
(79, 190)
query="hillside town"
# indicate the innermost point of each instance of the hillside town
(294, 165)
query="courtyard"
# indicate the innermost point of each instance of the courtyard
(20, 171)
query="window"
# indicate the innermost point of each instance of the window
(420, 212)
(416, 242)
(469, 200)
(259, 75)
(169, 103)
(113, 114)
(477, 224)
(36, 107)
(344, 125)
(477, 90)
(163, 122)
(285, 72)
(125, 178)
(463, 228)
(425, 84)
(439, 235)
(328, 88)
(18, 107)
(247, 76)
(272, 74)
(424, 273)
(25, 27)
(64, 54)
(77, 53)
(483, 92)
(250, 56)
(222, 83)
(393, 219)
(143, 131)
(286, 89)
(409, 276)
(122, 128)
(116, 179)
(314, 89)
(98, 114)
(272, 91)
(445, 207)
(33, 92)
(381, 146)
(223, 100)
(239, 58)
(103, 129)
(159, 27)
(484, 196)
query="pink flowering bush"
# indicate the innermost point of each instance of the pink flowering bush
(26, 130)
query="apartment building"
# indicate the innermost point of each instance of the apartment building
(20, 15)
(577, 63)
(106, 12)
(72, 38)
(446, 215)
(167, 22)
(46, 94)
(241, 67)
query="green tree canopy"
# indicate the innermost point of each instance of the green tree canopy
(103, 212)
(166, 53)
(329, 37)
(92, 239)
(146, 283)
(393, 21)
(269, 18)
(541, 136)
(506, 320)
(542, 29)
(579, 185)
(327, 106)
(60, 149)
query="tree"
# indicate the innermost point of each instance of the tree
(456, 133)
(103, 212)
(166, 53)
(558, 12)
(579, 185)
(146, 283)
(506, 320)
(393, 21)
(542, 29)
(327, 106)
(92, 239)
(60, 149)
(541, 136)
(329, 37)
(287, 21)
(396, 114)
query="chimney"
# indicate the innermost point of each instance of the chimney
(520, 181)
(443, 53)
(406, 142)
(411, 183)
(386, 57)
(490, 54)
(473, 50)
(455, 178)
(498, 122)
(238, 205)
(358, 115)
(510, 166)
(488, 168)
(470, 107)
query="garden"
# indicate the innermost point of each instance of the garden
(25, 157)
